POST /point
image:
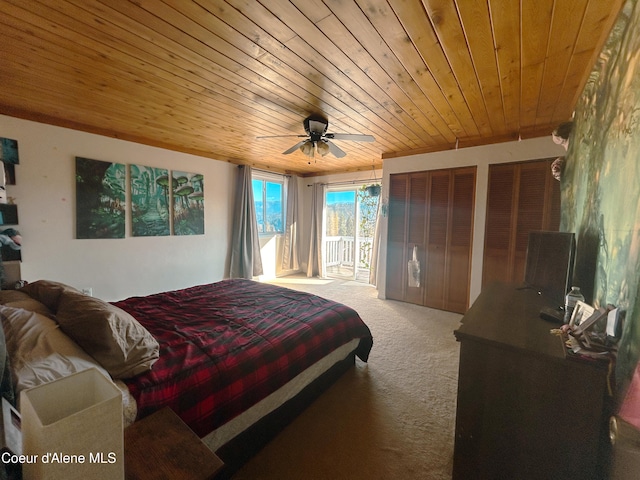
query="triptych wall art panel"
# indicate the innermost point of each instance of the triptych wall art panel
(161, 202)
(10, 158)
(149, 201)
(100, 199)
(188, 203)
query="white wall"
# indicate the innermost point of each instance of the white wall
(114, 268)
(481, 157)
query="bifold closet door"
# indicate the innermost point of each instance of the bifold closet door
(406, 230)
(522, 197)
(416, 235)
(437, 232)
(460, 240)
(432, 213)
(449, 239)
(396, 277)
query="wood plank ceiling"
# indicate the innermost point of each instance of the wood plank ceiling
(209, 76)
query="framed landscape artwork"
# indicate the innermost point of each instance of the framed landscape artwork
(149, 201)
(10, 158)
(188, 203)
(100, 199)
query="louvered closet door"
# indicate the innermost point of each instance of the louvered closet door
(460, 241)
(522, 197)
(407, 200)
(531, 210)
(396, 237)
(498, 264)
(449, 239)
(432, 211)
(415, 233)
(437, 231)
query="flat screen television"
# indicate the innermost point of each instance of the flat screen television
(549, 263)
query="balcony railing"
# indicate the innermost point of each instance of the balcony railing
(339, 251)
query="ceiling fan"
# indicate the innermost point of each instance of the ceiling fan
(318, 139)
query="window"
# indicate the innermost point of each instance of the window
(268, 196)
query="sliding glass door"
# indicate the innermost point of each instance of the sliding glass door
(350, 215)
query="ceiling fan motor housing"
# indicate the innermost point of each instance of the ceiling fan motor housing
(316, 127)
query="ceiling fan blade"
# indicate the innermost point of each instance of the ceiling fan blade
(351, 136)
(335, 150)
(294, 148)
(282, 136)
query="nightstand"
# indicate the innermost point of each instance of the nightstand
(162, 446)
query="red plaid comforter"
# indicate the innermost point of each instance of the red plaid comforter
(225, 346)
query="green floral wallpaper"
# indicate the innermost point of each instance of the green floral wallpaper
(601, 183)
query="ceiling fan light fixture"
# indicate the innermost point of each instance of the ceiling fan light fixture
(323, 148)
(318, 139)
(307, 148)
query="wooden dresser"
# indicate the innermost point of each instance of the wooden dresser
(526, 409)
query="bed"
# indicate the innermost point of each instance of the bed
(236, 359)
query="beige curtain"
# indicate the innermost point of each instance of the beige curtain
(315, 266)
(246, 261)
(290, 256)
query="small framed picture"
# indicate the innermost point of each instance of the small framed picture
(581, 312)
(584, 317)
(591, 320)
(8, 214)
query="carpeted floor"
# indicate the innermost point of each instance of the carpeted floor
(391, 418)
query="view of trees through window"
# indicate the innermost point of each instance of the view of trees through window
(341, 221)
(269, 203)
(340, 214)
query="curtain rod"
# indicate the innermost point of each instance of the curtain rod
(346, 182)
(268, 172)
(254, 169)
(350, 182)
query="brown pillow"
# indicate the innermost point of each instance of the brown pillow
(7, 296)
(107, 333)
(47, 292)
(19, 299)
